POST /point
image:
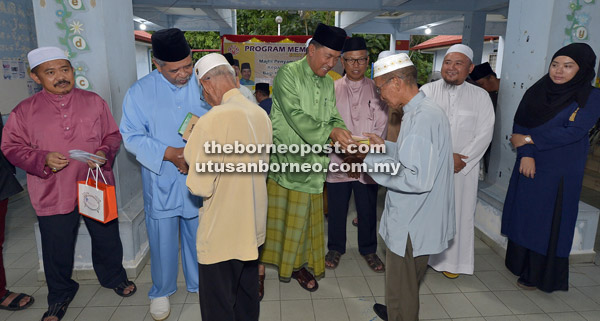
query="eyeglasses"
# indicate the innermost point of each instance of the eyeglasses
(381, 87)
(360, 61)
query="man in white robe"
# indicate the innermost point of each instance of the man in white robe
(471, 115)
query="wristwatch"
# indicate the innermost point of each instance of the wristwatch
(528, 139)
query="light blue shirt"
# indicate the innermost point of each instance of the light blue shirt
(420, 197)
(245, 82)
(153, 110)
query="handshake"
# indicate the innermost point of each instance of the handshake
(357, 150)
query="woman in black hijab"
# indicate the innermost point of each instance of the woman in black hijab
(550, 133)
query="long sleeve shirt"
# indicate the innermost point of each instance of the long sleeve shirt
(560, 150)
(233, 217)
(45, 123)
(471, 114)
(420, 198)
(362, 112)
(303, 112)
(153, 110)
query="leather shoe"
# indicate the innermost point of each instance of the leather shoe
(450, 275)
(381, 311)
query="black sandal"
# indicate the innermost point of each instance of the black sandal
(333, 258)
(14, 305)
(374, 262)
(57, 310)
(120, 289)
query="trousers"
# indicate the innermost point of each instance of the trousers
(59, 233)
(164, 236)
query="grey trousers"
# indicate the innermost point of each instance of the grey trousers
(403, 276)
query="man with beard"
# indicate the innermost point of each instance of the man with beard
(303, 112)
(38, 134)
(471, 116)
(362, 112)
(153, 109)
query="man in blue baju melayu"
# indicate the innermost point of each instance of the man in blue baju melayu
(153, 109)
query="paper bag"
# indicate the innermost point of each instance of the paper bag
(97, 200)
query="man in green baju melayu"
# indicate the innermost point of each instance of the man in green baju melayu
(303, 112)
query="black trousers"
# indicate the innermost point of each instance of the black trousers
(59, 233)
(229, 291)
(365, 199)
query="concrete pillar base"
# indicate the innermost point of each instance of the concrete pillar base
(488, 216)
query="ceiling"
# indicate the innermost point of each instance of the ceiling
(396, 17)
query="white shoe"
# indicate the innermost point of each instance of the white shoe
(160, 308)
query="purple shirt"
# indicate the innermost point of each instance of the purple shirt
(45, 123)
(362, 112)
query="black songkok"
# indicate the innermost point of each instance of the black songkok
(229, 58)
(481, 71)
(330, 37)
(245, 65)
(262, 86)
(170, 45)
(354, 44)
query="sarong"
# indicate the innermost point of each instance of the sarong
(295, 232)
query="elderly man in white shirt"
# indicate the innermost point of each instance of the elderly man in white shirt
(471, 115)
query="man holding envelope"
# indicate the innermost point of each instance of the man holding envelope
(153, 109)
(418, 219)
(38, 135)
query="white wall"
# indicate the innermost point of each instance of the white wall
(142, 59)
(17, 38)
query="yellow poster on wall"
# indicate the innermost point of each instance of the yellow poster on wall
(261, 56)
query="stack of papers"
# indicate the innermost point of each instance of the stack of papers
(84, 156)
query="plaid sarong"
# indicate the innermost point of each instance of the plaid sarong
(295, 231)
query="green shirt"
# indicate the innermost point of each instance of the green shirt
(303, 112)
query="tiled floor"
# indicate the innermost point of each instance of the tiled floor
(348, 293)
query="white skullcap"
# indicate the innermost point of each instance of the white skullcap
(465, 50)
(207, 63)
(390, 63)
(385, 53)
(40, 55)
(308, 42)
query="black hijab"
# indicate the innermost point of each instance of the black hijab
(545, 99)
